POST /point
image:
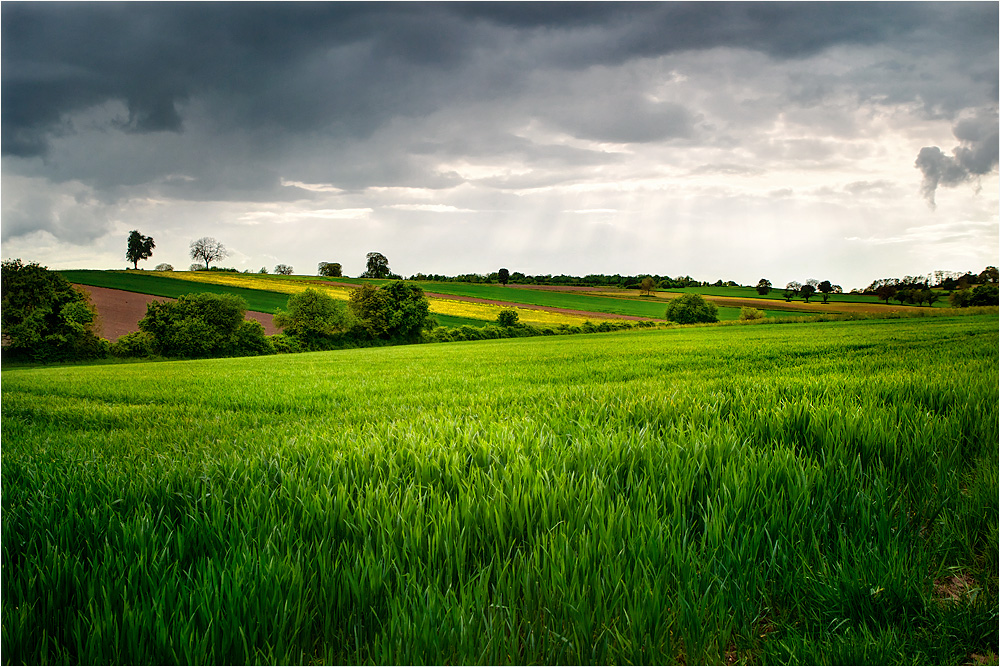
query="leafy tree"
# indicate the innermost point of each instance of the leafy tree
(377, 266)
(792, 290)
(397, 310)
(807, 291)
(331, 269)
(139, 247)
(43, 318)
(507, 317)
(164, 267)
(263, 270)
(691, 308)
(283, 270)
(203, 325)
(503, 275)
(886, 292)
(647, 285)
(208, 250)
(825, 287)
(985, 295)
(960, 298)
(763, 286)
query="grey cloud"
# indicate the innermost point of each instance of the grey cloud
(267, 63)
(976, 155)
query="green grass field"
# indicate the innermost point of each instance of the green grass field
(790, 494)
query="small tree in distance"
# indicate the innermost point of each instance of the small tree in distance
(507, 317)
(139, 247)
(377, 266)
(825, 287)
(763, 286)
(208, 250)
(646, 285)
(807, 291)
(503, 275)
(283, 270)
(330, 269)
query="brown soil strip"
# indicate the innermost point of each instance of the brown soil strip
(119, 312)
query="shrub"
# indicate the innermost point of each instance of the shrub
(313, 317)
(44, 318)
(395, 311)
(203, 325)
(164, 267)
(285, 344)
(507, 317)
(691, 309)
(749, 313)
(133, 345)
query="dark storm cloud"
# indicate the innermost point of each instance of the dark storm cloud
(349, 68)
(976, 155)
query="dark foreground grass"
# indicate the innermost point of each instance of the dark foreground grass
(804, 493)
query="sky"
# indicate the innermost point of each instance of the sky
(734, 141)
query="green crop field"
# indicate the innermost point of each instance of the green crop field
(813, 493)
(137, 281)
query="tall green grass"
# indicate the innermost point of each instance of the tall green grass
(784, 494)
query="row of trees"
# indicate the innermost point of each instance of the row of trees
(204, 250)
(946, 280)
(795, 289)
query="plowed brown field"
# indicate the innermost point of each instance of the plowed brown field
(119, 312)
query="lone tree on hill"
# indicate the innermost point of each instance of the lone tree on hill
(503, 275)
(763, 286)
(284, 270)
(331, 269)
(377, 266)
(207, 249)
(825, 287)
(139, 247)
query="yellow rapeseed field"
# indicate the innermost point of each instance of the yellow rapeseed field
(477, 311)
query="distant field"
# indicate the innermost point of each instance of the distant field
(157, 284)
(267, 293)
(820, 493)
(776, 294)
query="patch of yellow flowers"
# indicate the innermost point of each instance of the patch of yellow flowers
(477, 311)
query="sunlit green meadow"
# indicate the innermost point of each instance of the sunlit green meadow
(799, 493)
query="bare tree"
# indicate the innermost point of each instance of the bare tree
(283, 270)
(208, 250)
